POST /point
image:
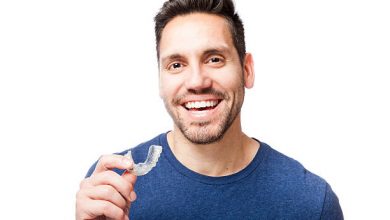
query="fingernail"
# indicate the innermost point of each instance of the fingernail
(133, 196)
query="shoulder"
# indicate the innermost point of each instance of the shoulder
(293, 182)
(139, 152)
(285, 168)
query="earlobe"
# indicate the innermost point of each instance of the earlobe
(249, 71)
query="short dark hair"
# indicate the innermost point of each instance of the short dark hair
(223, 8)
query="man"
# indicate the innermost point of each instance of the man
(209, 168)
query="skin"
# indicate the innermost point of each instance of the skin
(106, 195)
(198, 62)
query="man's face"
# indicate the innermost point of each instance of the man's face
(201, 78)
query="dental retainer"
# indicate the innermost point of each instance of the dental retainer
(143, 168)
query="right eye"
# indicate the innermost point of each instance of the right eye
(175, 67)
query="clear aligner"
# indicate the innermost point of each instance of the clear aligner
(141, 169)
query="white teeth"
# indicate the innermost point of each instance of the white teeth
(201, 104)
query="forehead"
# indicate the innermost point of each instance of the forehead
(195, 32)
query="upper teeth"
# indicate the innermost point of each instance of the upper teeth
(201, 104)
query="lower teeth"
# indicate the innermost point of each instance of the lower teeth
(201, 109)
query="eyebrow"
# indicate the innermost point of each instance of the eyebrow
(217, 50)
(174, 56)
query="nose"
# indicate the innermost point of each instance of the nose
(197, 79)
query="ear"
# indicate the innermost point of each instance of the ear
(249, 71)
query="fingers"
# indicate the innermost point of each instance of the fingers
(94, 208)
(108, 193)
(123, 184)
(105, 193)
(108, 162)
(99, 201)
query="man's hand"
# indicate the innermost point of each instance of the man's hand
(105, 194)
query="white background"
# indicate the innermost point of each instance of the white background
(79, 79)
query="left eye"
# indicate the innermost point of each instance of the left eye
(215, 60)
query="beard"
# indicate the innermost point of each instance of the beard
(207, 132)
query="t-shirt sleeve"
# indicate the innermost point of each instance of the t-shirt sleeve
(91, 169)
(331, 209)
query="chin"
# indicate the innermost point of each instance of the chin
(204, 134)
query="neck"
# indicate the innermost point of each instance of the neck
(227, 156)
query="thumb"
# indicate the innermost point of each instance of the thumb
(129, 177)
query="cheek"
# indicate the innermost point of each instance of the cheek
(229, 81)
(169, 86)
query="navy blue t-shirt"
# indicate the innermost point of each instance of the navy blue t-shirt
(272, 186)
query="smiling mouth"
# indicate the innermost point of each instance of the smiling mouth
(201, 105)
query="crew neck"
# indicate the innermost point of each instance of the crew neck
(183, 170)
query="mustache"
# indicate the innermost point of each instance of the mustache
(209, 91)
